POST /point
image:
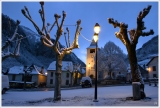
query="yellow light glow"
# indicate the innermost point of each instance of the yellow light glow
(95, 37)
(89, 65)
(97, 28)
(148, 69)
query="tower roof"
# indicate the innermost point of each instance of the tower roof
(93, 44)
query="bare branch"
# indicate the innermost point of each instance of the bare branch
(9, 26)
(46, 44)
(56, 18)
(68, 37)
(65, 39)
(64, 15)
(43, 17)
(27, 12)
(140, 24)
(59, 30)
(151, 32)
(75, 42)
(122, 35)
(51, 27)
(17, 48)
(35, 25)
(8, 42)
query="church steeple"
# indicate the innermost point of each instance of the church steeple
(93, 44)
(91, 51)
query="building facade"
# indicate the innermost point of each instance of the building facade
(153, 67)
(90, 59)
(66, 74)
(37, 75)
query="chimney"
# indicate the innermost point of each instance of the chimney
(42, 70)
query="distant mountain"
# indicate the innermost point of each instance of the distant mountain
(32, 51)
(148, 50)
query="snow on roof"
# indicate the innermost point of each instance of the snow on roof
(151, 60)
(19, 70)
(16, 70)
(83, 71)
(65, 66)
(144, 62)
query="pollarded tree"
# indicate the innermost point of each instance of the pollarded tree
(76, 70)
(132, 42)
(111, 59)
(16, 38)
(46, 40)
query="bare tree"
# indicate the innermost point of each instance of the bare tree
(76, 70)
(69, 68)
(16, 38)
(27, 73)
(46, 40)
(132, 42)
(111, 59)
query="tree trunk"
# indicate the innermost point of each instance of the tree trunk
(110, 75)
(24, 86)
(75, 80)
(57, 88)
(136, 74)
(71, 78)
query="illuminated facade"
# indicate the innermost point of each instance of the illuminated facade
(153, 67)
(90, 59)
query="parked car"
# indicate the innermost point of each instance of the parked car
(5, 83)
(121, 78)
(86, 82)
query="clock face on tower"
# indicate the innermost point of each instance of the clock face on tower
(92, 56)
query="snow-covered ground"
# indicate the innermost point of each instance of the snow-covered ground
(107, 96)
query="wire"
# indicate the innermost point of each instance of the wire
(85, 38)
(70, 25)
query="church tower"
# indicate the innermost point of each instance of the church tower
(90, 59)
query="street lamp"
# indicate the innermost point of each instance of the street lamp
(95, 37)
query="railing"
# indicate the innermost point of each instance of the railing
(153, 81)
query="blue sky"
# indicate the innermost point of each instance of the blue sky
(89, 13)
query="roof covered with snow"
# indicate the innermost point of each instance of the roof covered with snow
(19, 70)
(66, 65)
(83, 71)
(92, 45)
(151, 60)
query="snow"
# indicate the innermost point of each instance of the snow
(19, 69)
(141, 63)
(136, 83)
(32, 35)
(16, 70)
(83, 71)
(107, 96)
(65, 65)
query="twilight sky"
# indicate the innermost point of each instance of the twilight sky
(89, 13)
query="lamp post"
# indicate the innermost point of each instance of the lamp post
(95, 37)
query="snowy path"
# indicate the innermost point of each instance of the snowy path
(107, 96)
